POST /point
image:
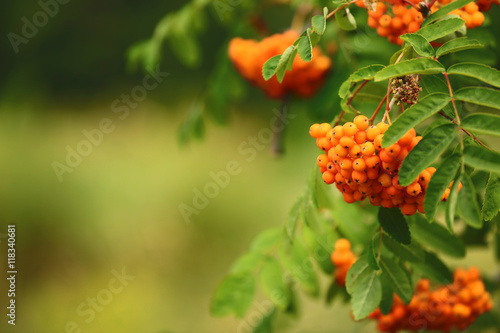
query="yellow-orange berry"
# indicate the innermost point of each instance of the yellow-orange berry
(361, 122)
(349, 129)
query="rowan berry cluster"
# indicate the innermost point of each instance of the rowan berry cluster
(456, 305)
(355, 161)
(342, 259)
(393, 18)
(249, 56)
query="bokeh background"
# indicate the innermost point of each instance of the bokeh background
(119, 209)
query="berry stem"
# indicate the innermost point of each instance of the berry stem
(340, 118)
(379, 244)
(340, 8)
(278, 130)
(454, 108)
(411, 4)
(463, 129)
(356, 92)
(372, 118)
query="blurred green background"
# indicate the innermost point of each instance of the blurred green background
(119, 209)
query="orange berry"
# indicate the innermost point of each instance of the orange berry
(385, 180)
(340, 258)
(342, 245)
(413, 27)
(349, 129)
(378, 141)
(360, 137)
(446, 195)
(341, 151)
(409, 209)
(359, 164)
(399, 10)
(372, 22)
(420, 199)
(383, 127)
(358, 196)
(386, 203)
(393, 150)
(349, 198)
(471, 8)
(322, 160)
(461, 311)
(424, 177)
(339, 179)
(346, 142)
(473, 274)
(476, 289)
(423, 285)
(407, 139)
(367, 149)
(372, 132)
(385, 21)
(328, 177)
(419, 18)
(314, 131)
(323, 129)
(355, 151)
(338, 132)
(390, 167)
(324, 144)
(395, 183)
(346, 164)
(477, 18)
(372, 173)
(384, 157)
(361, 122)
(414, 189)
(359, 177)
(372, 161)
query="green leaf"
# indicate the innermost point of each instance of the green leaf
(437, 237)
(344, 88)
(497, 239)
(343, 215)
(266, 240)
(444, 10)
(273, 284)
(394, 224)
(305, 47)
(246, 263)
(265, 325)
(187, 49)
(333, 290)
(412, 66)
(433, 84)
(358, 271)
(425, 152)
(387, 295)
(412, 252)
(491, 204)
(452, 204)
(467, 201)
(366, 298)
(300, 267)
(441, 28)
(294, 217)
(371, 252)
(283, 63)
(434, 269)
(438, 184)
(481, 72)
(321, 246)
(398, 279)
(365, 73)
(420, 44)
(480, 96)
(414, 115)
(345, 20)
(233, 296)
(458, 44)
(321, 193)
(319, 24)
(482, 158)
(483, 123)
(270, 67)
